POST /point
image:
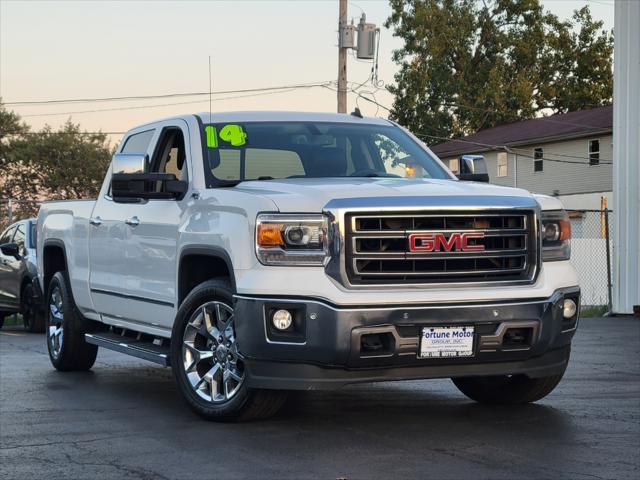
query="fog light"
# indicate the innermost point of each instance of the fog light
(282, 319)
(569, 308)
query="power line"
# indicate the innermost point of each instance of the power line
(166, 95)
(137, 107)
(72, 133)
(493, 147)
(514, 151)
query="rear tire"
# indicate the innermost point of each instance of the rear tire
(31, 315)
(507, 390)
(65, 329)
(206, 364)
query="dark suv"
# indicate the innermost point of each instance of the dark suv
(19, 289)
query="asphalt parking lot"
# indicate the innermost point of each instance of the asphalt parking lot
(124, 419)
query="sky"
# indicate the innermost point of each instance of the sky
(79, 49)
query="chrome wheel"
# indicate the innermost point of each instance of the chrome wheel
(56, 321)
(210, 353)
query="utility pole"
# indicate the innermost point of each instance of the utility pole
(342, 59)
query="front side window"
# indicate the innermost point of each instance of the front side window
(538, 157)
(7, 235)
(277, 150)
(170, 155)
(454, 165)
(19, 237)
(594, 152)
(138, 142)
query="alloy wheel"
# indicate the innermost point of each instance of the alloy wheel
(56, 321)
(210, 356)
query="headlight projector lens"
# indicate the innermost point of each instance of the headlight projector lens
(282, 319)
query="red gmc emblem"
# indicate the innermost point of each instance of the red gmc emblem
(439, 242)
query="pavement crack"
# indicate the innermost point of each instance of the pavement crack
(75, 443)
(141, 473)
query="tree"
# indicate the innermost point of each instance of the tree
(468, 65)
(49, 165)
(10, 128)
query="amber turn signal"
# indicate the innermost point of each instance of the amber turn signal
(270, 235)
(565, 229)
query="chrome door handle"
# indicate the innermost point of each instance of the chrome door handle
(95, 221)
(133, 221)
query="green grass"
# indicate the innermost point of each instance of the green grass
(594, 311)
(15, 319)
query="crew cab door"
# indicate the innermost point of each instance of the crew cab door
(152, 235)
(146, 293)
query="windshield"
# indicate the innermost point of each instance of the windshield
(275, 150)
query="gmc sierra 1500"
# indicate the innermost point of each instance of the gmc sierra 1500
(256, 253)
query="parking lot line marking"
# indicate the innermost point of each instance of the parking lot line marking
(12, 334)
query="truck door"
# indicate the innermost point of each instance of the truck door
(108, 232)
(152, 235)
(8, 274)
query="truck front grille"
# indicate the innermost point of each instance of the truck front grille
(500, 246)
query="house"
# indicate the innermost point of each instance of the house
(566, 155)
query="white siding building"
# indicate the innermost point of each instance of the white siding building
(567, 155)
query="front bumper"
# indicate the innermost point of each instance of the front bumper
(331, 346)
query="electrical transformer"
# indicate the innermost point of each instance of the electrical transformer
(366, 39)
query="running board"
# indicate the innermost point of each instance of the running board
(141, 347)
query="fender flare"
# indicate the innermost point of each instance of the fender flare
(212, 251)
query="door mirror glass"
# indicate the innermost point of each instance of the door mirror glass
(128, 163)
(473, 168)
(11, 250)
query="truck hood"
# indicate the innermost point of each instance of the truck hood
(311, 195)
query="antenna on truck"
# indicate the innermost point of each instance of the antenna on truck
(210, 93)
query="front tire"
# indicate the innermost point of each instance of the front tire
(208, 369)
(31, 315)
(65, 329)
(507, 389)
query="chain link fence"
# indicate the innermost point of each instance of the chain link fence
(591, 256)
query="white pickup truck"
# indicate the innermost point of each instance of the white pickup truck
(256, 253)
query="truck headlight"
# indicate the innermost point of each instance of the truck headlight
(556, 233)
(292, 239)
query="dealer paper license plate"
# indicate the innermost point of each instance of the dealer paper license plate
(437, 342)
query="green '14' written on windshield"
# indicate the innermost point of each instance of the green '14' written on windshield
(232, 134)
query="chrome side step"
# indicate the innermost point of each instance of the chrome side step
(140, 346)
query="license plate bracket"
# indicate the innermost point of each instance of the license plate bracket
(447, 341)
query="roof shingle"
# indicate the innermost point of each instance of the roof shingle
(572, 124)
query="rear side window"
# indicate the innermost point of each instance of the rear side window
(138, 142)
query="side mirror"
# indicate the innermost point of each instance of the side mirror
(473, 168)
(11, 250)
(130, 180)
(129, 163)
